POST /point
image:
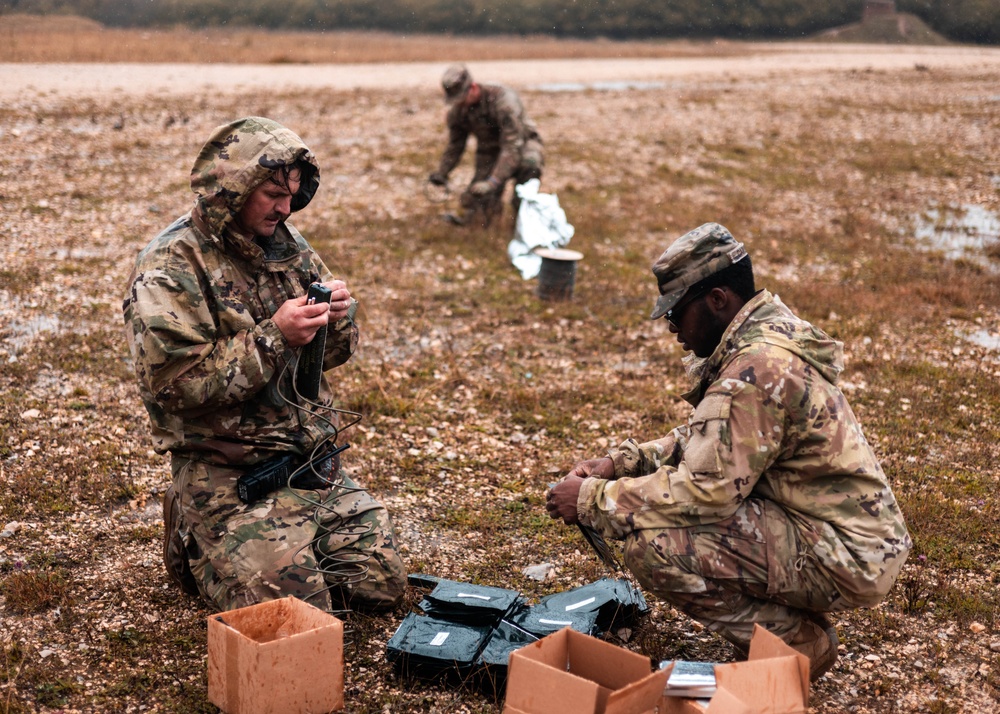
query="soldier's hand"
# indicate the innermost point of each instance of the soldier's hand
(482, 188)
(560, 501)
(438, 179)
(598, 468)
(340, 299)
(299, 321)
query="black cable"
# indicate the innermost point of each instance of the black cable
(348, 566)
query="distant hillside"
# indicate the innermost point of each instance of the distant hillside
(899, 28)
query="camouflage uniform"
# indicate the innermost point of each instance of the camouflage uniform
(215, 376)
(507, 143)
(769, 504)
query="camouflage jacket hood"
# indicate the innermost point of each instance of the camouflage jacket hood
(237, 158)
(765, 320)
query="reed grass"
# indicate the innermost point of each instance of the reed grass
(29, 38)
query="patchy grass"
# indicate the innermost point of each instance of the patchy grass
(28, 591)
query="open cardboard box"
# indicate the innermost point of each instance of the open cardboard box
(282, 656)
(773, 680)
(572, 672)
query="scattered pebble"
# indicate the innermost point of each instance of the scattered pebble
(540, 572)
(10, 529)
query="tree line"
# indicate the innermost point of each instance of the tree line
(973, 21)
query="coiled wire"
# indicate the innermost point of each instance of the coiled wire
(347, 566)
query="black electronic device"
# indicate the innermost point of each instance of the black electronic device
(310, 369)
(274, 473)
(265, 478)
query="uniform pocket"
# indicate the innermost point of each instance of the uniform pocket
(784, 551)
(708, 435)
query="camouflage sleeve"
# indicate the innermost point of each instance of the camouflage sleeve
(458, 135)
(511, 140)
(634, 459)
(180, 358)
(733, 436)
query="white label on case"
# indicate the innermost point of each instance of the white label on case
(580, 604)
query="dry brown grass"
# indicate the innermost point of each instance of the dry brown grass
(822, 173)
(29, 38)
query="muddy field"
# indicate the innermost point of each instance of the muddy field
(865, 182)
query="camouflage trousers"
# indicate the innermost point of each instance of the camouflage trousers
(753, 567)
(334, 548)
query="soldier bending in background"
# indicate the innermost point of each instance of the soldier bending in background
(507, 144)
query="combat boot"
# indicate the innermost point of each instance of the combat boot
(174, 553)
(817, 639)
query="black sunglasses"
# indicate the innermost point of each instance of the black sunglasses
(674, 314)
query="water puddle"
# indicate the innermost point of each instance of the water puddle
(626, 366)
(990, 339)
(965, 232)
(75, 253)
(597, 86)
(22, 333)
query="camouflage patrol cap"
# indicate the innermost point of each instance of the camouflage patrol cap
(456, 82)
(690, 259)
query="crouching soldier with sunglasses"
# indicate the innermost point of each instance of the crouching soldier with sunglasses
(768, 506)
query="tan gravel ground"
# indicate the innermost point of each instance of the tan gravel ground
(475, 394)
(99, 80)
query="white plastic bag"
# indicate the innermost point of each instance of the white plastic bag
(541, 223)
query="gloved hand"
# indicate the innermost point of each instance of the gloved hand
(482, 188)
(438, 179)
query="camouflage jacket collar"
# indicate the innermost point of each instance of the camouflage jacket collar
(279, 247)
(482, 110)
(765, 319)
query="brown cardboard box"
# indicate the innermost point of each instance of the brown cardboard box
(722, 703)
(774, 680)
(572, 672)
(283, 656)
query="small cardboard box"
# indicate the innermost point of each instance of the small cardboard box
(572, 672)
(283, 656)
(773, 680)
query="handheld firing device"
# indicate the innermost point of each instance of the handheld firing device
(310, 369)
